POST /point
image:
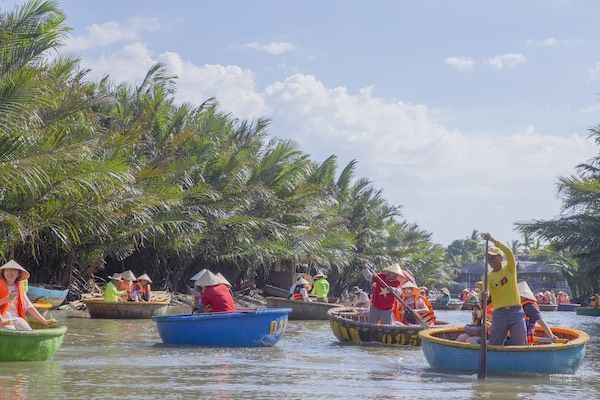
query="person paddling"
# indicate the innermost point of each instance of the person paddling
(111, 293)
(14, 303)
(382, 300)
(502, 285)
(320, 287)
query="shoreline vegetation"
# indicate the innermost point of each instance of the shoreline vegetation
(99, 177)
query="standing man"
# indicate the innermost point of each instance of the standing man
(320, 287)
(502, 286)
(382, 299)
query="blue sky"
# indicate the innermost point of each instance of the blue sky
(462, 112)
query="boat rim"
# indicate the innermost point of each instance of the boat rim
(333, 313)
(581, 338)
(220, 315)
(56, 331)
(162, 303)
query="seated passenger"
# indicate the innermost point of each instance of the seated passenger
(465, 295)
(445, 297)
(594, 302)
(300, 292)
(411, 294)
(532, 313)
(215, 295)
(143, 287)
(320, 287)
(359, 297)
(110, 289)
(13, 300)
(127, 284)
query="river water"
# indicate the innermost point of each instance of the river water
(109, 359)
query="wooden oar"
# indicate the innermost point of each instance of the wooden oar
(483, 349)
(399, 298)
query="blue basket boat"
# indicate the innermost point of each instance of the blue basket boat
(443, 352)
(244, 328)
(45, 295)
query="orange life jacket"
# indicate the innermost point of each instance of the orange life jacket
(20, 297)
(144, 292)
(297, 296)
(125, 286)
(427, 316)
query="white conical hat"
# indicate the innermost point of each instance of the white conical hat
(198, 275)
(144, 277)
(409, 284)
(12, 264)
(128, 275)
(302, 281)
(116, 276)
(208, 279)
(223, 280)
(525, 291)
(394, 268)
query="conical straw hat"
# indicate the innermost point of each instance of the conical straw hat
(394, 268)
(410, 284)
(208, 279)
(302, 281)
(223, 280)
(12, 264)
(128, 275)
(116, 276)
(144, 277)
(198, 275)
(525, 291)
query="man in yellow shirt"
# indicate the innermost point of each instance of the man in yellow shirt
(502, 286)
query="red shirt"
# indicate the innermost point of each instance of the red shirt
(218, 298)
(382, 297)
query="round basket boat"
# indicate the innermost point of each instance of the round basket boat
(588, 311)
(349, 325)
(303, 309)
(38, 344)
(548, 307)
(42, 307)
(452, 305)
(442, 351)
(568, 307)
(244, 328)
(126, 309)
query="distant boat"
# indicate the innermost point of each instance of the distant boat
(568, 307)
(42, 294)
(38, 344)
(350, 326)
(42, 307)
(125, 309)
(275, 291)
(548, 307)
(302, 309)
(452, 305)
(588, 311)
(443, 352)
(244, 328)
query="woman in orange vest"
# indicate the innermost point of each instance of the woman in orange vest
(300, 292)
(144, 290)
(127, 284)
(532, 313)
(411, 294)
(13, 300)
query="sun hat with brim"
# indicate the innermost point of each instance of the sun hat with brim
(12, 264)
(320, 275)
(223, 280)
(495, 251)
(466, 290)
(144, 277)
(208, 279)
(394, 269)
(445, 291)
(115, 276)
(128, 275)
(409, 284)
(525, 291)
(198, 275)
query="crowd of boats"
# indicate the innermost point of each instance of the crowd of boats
(214, 320)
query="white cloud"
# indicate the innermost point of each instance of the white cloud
(461, 63)
(548, 42)
(552, 42)
(99, 35)
(591, 109)
(273, 48)
(506, 60)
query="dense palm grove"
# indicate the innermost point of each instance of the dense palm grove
(98, 176)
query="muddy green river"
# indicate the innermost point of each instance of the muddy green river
(113, 359)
